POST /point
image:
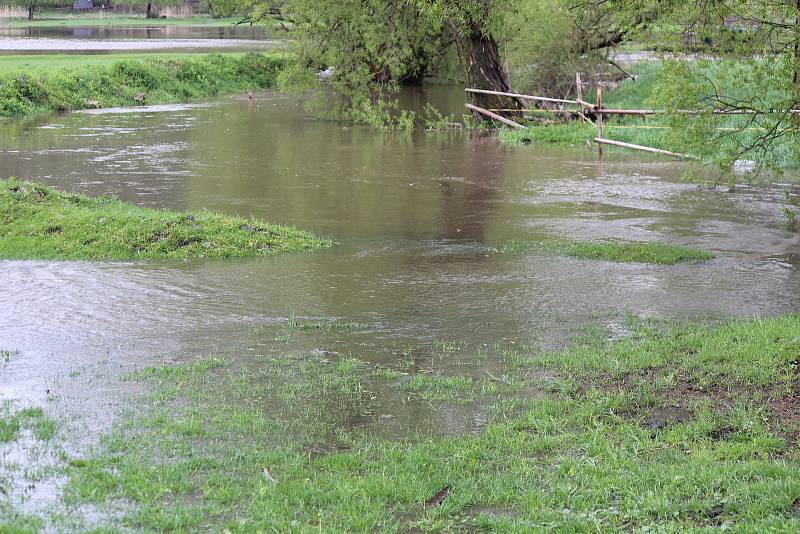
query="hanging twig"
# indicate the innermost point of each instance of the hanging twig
(623, 71)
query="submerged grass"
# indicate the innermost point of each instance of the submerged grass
(26, 436)
(38, 222)
(12, 422)
(676, 428)
(626, 252)
(295, 323)
(134, 82)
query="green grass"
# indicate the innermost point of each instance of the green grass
(42, 63)
(629, 94)
(675, 428)
(38, 222)
(12, 422)
(133, 82)
(626, 252)
(572, 133)
(438, 387)
(16, 523)
(60, 18)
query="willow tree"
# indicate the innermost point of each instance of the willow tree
(33, 5)
(475, 25)
(364, 49)
(369, 48)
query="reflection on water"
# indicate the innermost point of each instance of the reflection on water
(154, 31)
(417, 216)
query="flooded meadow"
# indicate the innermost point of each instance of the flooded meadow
(417, 299)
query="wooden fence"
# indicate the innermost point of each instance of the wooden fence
(586, 109)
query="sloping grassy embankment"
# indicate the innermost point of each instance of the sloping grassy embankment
(136, 81)
(37, 222)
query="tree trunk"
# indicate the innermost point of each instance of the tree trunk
(796, 79)
(149, 10)
(30, 11)
(483, 69)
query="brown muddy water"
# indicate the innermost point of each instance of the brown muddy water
(416, 217)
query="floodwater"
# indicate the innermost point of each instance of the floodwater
(96, 39)
(416, 217)
(150, 31)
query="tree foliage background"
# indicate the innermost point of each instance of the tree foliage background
(737, 56)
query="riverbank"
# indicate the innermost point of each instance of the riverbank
(130, 82)
(41, 223)
(669, 427)
(42, 63)
(655, 132)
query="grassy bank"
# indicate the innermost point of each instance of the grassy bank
(625, 252)
(672, 428)
(133, 82)
(38, 222)
(41, 63)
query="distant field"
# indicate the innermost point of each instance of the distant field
(60, 18)
(43, 62)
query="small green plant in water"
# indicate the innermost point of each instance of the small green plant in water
(34, 419)
(791, 206)
(294, 323)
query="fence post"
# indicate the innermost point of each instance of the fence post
(579, 86)
(599, 105)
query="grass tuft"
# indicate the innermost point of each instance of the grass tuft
(624, 252)
(33, 419)
(38, 222)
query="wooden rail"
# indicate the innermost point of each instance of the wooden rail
(585, 108)
(493, 115)
(600, 141)
(611, 111)
(521, 97)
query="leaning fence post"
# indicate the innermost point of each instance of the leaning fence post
(599, 105)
